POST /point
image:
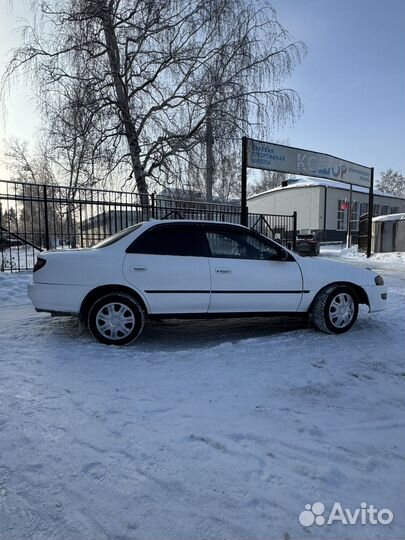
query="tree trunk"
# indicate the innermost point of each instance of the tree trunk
(123, 104)
(209, 155)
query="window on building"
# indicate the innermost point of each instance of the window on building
(354, 217)
(376, 210)
(363, 208)
(341, 222)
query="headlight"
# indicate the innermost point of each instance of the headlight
(378, 280)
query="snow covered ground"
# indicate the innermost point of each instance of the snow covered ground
(392, 262)
(22, 257)
(201, 430)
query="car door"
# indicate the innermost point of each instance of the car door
(248, 273)
(167, 264)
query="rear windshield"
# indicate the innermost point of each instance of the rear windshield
(306, 236)
(117, 236)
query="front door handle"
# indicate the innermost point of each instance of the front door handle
(138, 268)
(223, 270)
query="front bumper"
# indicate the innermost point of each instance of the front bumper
(377, 297)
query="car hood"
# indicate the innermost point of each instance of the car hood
(316, 270)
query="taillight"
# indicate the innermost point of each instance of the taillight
(39, 264)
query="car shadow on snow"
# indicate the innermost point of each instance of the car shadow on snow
(172, 333)
(175, 334)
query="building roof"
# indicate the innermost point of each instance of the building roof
(312, 182)
(390, 217)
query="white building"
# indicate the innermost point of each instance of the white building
(320, 205)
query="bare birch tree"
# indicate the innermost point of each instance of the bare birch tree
(145, 82)
(245, 88)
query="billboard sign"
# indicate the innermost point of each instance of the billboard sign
(277, 157)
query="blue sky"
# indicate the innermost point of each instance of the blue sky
(351, 83)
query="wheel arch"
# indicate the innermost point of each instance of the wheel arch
(106, 289)
(360, 293)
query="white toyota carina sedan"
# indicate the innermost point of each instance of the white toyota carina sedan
(196, 269)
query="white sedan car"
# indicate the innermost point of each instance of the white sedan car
(196, 269)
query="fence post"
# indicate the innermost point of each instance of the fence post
(47, 243)
(152, 199)
(294, 230)
(81, 225)
(244, 218)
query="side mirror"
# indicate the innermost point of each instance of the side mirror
(284, 256)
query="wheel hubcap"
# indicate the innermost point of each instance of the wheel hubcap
(341, 310)
(115, 321)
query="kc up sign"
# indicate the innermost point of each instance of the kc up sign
(287, 159)
(276, 157)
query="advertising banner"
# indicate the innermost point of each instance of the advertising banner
(277, 157)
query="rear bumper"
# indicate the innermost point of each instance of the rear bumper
(57, 298)
(306, 249)
(377, 297)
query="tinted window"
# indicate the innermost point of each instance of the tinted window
(169, 240)
(240, 245)
(306, 237)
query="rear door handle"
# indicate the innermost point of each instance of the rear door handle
(223, 270)
(138, 268)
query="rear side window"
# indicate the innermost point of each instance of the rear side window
(169, 240)
(117, 236)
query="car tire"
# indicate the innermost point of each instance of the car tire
(116, 319)
(335, 309)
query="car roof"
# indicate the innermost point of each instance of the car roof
(152, 222)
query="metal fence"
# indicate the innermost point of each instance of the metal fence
(35, 217)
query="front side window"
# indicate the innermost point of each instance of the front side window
(174, 240)
(240, 245)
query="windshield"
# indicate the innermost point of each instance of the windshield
(117, 236)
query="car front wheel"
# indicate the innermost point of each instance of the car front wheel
(335, 310)
(116, 319)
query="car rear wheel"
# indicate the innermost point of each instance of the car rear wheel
(116, 319)
(335, 310)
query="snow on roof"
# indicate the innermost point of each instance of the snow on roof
(311, 182)
(390, 217)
